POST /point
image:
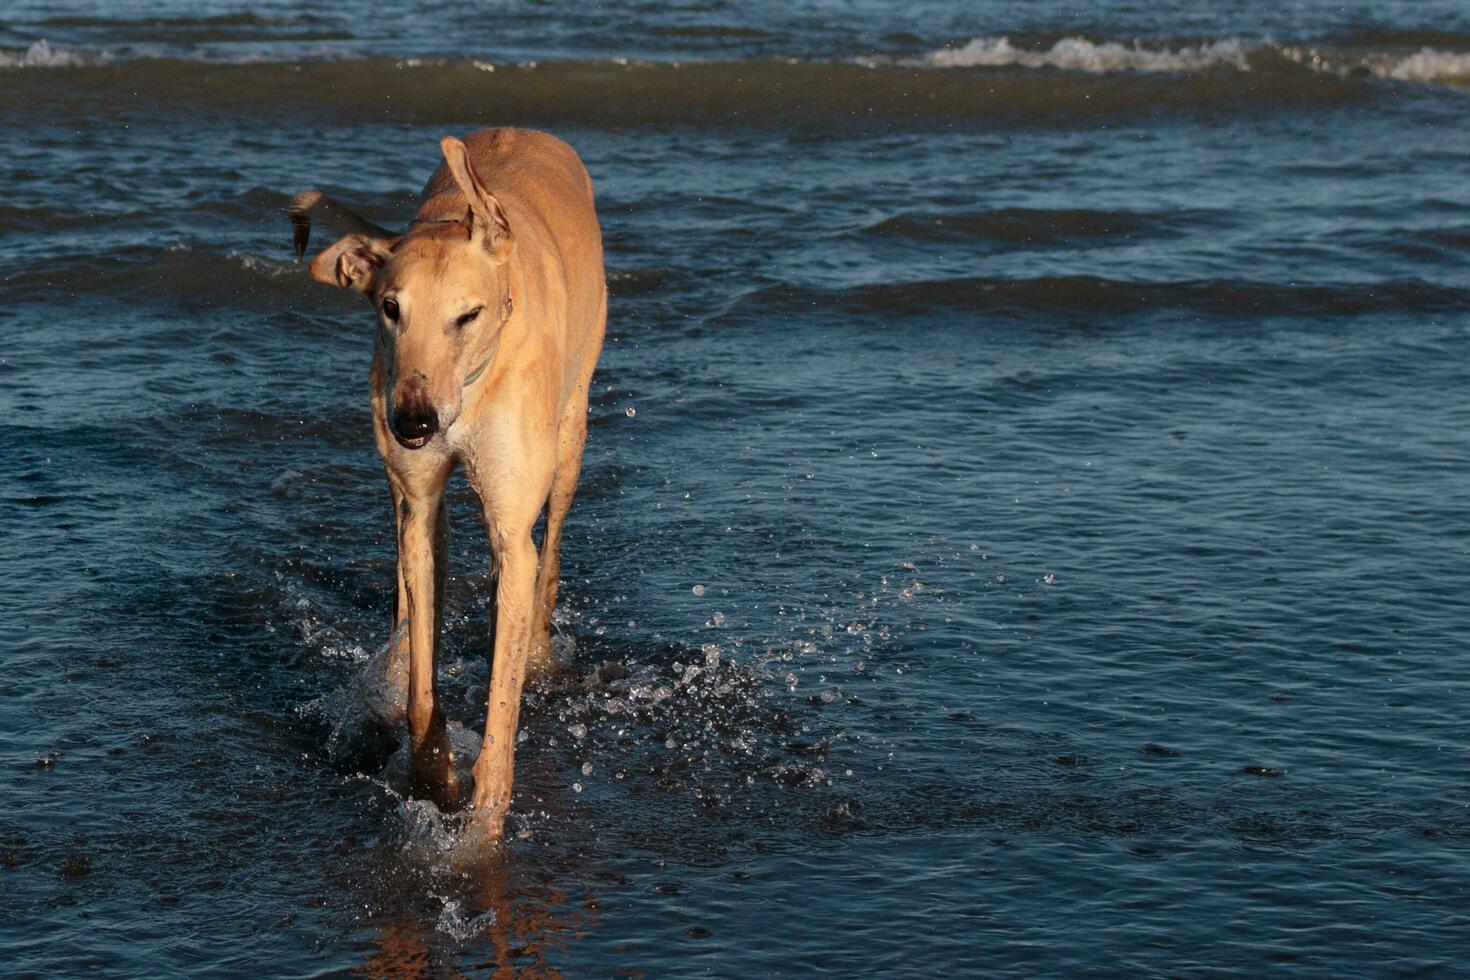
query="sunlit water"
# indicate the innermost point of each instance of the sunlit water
(1023, 529)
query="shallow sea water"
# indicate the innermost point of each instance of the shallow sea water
(1023, 529)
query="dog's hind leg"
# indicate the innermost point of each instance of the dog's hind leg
(422, 544)
(571, 437)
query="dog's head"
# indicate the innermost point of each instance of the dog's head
(442, 294)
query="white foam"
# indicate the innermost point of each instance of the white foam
(1080, 54)
(1427, 65)
(464, 749)
(456, 922)
(375, 697)
(42, 55)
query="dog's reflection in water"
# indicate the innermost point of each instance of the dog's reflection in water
(527, 926)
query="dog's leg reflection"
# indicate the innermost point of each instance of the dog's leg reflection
(529, 923)
(403, 951)
(526, 926)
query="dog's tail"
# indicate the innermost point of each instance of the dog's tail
(330, 212)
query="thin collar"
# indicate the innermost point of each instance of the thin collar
(475, 374)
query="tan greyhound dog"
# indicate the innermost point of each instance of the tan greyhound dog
(491, 309)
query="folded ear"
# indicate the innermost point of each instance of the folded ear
(353, 261)
(488, 222)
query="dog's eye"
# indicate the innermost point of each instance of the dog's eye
(468, 317)
(390, 310)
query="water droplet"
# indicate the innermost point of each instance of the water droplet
(631, 411)
(586, 768)
(576, 787)
(698, 590)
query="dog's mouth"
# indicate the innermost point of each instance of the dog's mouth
(417, 442)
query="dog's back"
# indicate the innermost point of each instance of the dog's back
(547, 192)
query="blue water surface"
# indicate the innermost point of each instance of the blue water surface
(1025, 527)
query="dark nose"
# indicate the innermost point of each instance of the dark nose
(415, 425)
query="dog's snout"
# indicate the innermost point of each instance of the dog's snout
(413, 425)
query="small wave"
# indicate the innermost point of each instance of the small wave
(759, 93)
(639, 282)
(713, 31)
(1080, 54)
(1426, 65)
(42, 55)
(1052, 295)
(1027, 226)
(1445, 64)
(182, 274)
(680, 90)
(42, 218)
(1452, 237)
(244, 19)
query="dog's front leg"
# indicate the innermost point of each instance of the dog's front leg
(514, 600)
(421, 547)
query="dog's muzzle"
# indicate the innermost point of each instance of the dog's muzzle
(415, 427)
